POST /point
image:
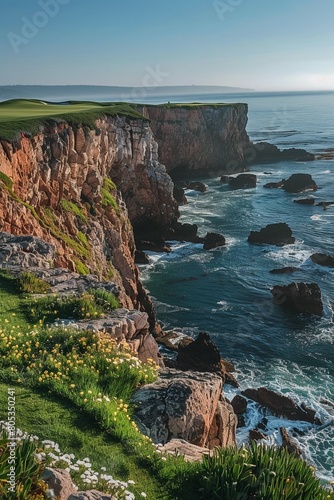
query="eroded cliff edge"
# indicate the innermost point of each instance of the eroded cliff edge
(57, 186)
(200, 139)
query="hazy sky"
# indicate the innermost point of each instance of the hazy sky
(259, 44)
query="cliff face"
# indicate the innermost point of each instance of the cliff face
(200, 140)
(62, 192)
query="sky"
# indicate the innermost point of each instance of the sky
(257, 44)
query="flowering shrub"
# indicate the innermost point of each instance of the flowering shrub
(89, 369)
(91, 304)
(36, 454)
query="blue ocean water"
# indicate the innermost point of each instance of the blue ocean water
(227, 292)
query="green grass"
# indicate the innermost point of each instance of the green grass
(74, 209)
(29, 115)
(193, 105)
(108, 191)
(6, 180)
(55, 419)
(10, 301)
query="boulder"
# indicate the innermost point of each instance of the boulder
(179, 195)
(239, 404)
(323, 259)
(213, 240)
(274, 234)
(60, 482)
(184, 232)
(158, 245)
(273, 185)
(282, 405)
(141, 257)
(300, 297)
(225, 179)
(203, 355)
(190, 452)
(90, 495)
(289, 443)
(197, 186)
(284, 270)
(185, 405)
(305, 201)
(243, 181)
(256, 435)
(297, 183)
(325, 204)
(25, 251)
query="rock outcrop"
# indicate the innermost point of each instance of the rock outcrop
(305, 201)
(200, 140)
(289, 443)
(266, 152)
(60, 482)
(323, 259)
(299, 297)
(274, 234)
(203, 355)
(243, 181)
(297, 183)
(282, 405)
(57, 186)
(213, 240)
(185, 405)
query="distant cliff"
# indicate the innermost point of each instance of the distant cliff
(200, 140)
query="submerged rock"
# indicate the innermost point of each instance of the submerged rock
(273, 185)
(213, 240)
(297, 183)
(158, 245)
(197, 186)
(185, 405)
(300, 297)
(323, 259)
(274, 234)
(305, 201)
(284, 270)
(282, 405)
(243, 181)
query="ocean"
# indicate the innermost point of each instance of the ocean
(226, 292)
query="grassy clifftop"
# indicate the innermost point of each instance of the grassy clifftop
(28, 115)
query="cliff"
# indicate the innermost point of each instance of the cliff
(199, 140)
(57, 186)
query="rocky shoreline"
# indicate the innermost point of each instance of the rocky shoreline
(78, 208)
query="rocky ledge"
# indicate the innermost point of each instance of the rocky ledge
(185, 405)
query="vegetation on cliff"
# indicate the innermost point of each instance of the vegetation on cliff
(29, 115)
(92, 374)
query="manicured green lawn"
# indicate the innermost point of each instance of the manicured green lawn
(27, 115)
